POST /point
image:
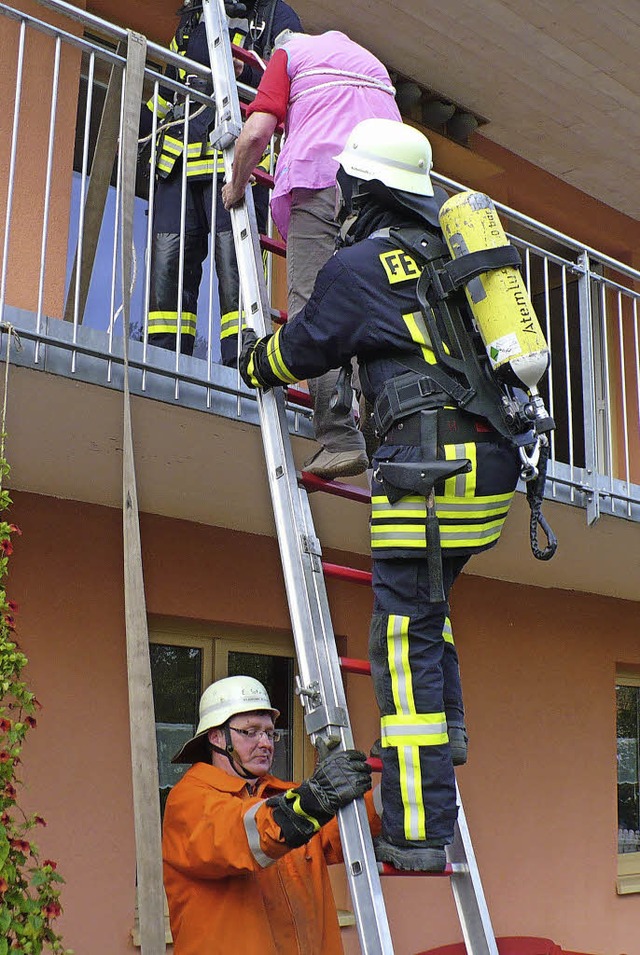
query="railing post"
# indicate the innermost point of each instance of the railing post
(588, 390)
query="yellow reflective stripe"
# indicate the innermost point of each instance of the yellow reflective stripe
(461, 485)
(417, 511)
(422, 729)
(163, 106)
(293, 798)
(474, 535)
(447, 632)
(398, 660)
(229, 324)
(173, 46)
(408, 753)
(167, 323)
(477, 507)
(276, 362)
(172, 146)
(419, 335)
(199, 168)
(165, 164)
(251, 368)
(410, 530)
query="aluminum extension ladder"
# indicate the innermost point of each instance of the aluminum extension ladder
(320, 682)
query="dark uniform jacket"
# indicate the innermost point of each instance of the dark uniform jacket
(364, 304)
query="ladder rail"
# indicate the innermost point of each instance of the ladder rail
(468, 893)
(321, 686)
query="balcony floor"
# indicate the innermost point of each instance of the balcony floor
(65, 440)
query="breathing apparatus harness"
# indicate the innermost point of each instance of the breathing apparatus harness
(463, 371)
(463, 375)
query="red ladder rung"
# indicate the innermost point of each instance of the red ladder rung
(298, 397)
(349, 491)
(276, 246)
(278, 316)
(263, 177)
(351, 665)
(385, 869)
(352, 574)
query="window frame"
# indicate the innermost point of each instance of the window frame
(216, 641)
(628, 876)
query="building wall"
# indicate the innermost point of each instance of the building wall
(538, 669)
(33, 128)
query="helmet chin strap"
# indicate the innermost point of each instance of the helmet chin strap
(230, 752)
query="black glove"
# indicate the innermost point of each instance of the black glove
(338, 779)
(253, 350)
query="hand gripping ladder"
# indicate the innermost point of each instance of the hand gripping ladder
(320, 684)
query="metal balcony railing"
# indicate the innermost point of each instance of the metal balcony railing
(60, 258)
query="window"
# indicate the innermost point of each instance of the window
(185, 661)
(628, 756)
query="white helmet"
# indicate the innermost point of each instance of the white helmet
(219, 702)
(391, 152)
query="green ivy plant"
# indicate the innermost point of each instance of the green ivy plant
(29, 886)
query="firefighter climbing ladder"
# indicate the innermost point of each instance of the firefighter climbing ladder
(320, 682)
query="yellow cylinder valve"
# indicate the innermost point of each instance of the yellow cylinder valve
(499, 301)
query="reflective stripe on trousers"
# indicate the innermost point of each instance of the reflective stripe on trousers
(414, 666)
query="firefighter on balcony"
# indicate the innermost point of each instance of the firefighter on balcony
(253, 24)
(245, 854)
(443, 478)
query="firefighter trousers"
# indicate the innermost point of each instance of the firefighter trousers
(164, 315)
(414, 665)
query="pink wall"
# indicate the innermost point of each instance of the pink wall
(538, 669)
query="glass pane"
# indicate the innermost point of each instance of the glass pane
(628, 733)
(276, 674)
(177, 685)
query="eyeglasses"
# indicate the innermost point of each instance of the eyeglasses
(274, 736)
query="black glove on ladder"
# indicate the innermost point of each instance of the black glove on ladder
(337, 780)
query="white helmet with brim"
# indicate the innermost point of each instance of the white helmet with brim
(219, 702)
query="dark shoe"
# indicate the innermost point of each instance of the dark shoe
(332, 464)
(458, 741)
(414, 857)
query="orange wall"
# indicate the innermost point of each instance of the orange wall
(538, 669)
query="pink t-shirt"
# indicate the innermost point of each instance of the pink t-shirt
(332, 84)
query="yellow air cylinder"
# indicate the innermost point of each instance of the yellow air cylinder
(499, 299)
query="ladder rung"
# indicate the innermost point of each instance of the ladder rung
(385, 869)
(298, 397)
(347, 573)
(273, 245)
(350, 491)
(263, 177)
(278, 316)
(375, 764)
(351, 665)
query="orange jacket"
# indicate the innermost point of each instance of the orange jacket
(233, 886)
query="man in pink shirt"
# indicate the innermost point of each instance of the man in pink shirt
(319, 87)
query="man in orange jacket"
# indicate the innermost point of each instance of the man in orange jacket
(245, 854)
